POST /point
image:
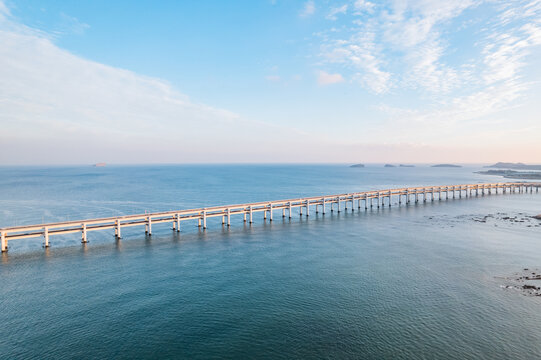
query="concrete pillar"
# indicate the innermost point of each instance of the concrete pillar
(323, 206)
(83, 234)
(178, 222)
(244, 215)
(378, 199)
(149, 225)
(251, 212)
(283, 212)
(117, 229)
(270, 212)
(228, 217)
(199, 222)
(359, 203)
(307, 207)
(204, 219)
(291, 208)
(46, 236)
(338, 205)
(366, 201)
(390, 197)
(4, 242)
(432, 195)
(371, 202)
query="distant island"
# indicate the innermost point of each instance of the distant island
(389, 165)
(100, 165)
(514, 166)
(512, 174)
(357, 165)
(447, 165)
(402, 165)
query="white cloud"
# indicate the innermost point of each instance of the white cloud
(308, 9)
(324, 78)
(273, 78)
(60, 108)
(337, 10)
(363, 6)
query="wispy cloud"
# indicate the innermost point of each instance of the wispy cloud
(308, 9)
(324, 78)
(332, 15)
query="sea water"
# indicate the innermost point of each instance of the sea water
(413, 281)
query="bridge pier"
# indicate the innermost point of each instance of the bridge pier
(178, 222)
(204, 220)
(46, 236)
(117, 229)
(228, 217)
(83, 234)
(4, 242)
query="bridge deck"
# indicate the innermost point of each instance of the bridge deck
(247, 209)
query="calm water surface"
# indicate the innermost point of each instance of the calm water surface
(412, 282)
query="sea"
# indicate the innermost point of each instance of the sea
(429, 280)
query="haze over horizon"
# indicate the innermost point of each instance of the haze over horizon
(270, 81)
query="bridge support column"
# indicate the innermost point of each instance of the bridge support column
(307, 208)
(83, 234)
(4, 242)
(270, 212)
(324, 206)
(244, 215)
(338, 205)
(204, 220)
(178, 222)
(284, 212)
(117, 229)
(149, 226)
(228, 217)
(46, 236)
(251, 213)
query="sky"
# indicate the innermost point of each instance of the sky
(269, 81)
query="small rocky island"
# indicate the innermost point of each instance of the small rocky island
(446, 165)
(357, 166)
(402, 165)
(388, 165)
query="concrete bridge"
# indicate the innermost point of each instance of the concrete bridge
(321, 204)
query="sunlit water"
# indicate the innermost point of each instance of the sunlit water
(416, 281)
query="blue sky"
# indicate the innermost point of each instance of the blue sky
(269, 81)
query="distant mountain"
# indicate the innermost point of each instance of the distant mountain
(357, 165)
(402, 165)
(447, 165)
(515, 166)
(512, 174)
(389, 165)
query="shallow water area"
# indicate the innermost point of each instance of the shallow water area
(416, 281)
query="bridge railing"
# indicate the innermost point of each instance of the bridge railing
(248, 209)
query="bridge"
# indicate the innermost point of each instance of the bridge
(364, 199)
